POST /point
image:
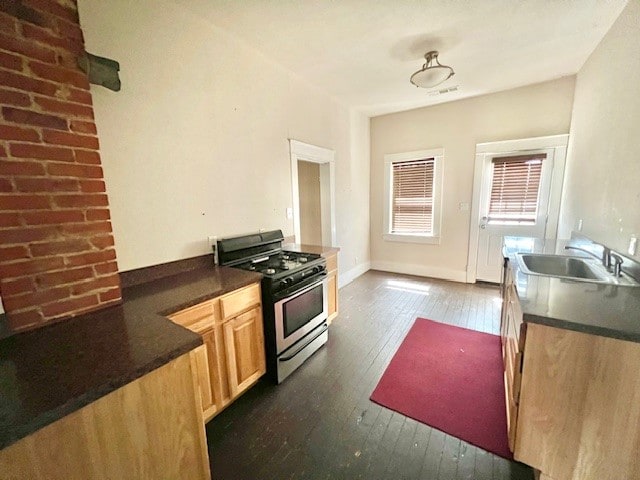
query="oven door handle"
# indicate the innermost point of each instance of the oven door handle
(302, 347)
(296, 290)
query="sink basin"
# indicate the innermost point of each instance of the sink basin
(559, 266)
(571, 268)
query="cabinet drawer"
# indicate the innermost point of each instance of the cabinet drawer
(236, 302)
(199, 317)
(332, 263)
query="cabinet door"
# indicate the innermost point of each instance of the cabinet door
(332, 286)
(505, 293)
(200, 369)
(513, 364)
(217, 358)
(244, 344)
(332, 292)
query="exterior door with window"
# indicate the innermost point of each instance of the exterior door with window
(514, 201)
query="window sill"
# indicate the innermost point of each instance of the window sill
(396, 237)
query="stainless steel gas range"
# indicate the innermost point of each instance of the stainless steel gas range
(294, 297)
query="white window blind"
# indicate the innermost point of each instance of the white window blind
(514, 188)
(412, 201)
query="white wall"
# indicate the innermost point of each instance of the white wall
(195, 143)
(532, 111)
(602, 183)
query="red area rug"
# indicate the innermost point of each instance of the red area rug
(450, 378)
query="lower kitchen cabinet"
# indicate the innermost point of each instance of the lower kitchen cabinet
(572, 398)
(332, 284)
(200, 368)
(244, 345)
(232, 358)
(209, 363)
(579, 412)
(148, 429)
(512, 334)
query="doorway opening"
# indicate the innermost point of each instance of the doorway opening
(516, 192)
(310, 204)
(313, 189)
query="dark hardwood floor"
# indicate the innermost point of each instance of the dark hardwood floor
(320, 423)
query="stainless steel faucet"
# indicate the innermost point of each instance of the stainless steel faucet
(617, 263)
(607, 258)
(604, 258)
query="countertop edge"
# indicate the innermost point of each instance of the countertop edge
(555, 322)
(251, 278)
(306, 248)
(149, 312)
(590, 330)
(58, 413)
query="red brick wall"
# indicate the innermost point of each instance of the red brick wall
(56, 245)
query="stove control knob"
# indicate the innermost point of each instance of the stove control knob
(286, 282)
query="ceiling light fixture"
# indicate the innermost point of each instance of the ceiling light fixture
(431, 73)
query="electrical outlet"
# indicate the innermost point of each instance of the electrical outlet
(213, 243)
(579, 225)
(633, 245)
(289, 213)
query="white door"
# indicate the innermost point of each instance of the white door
(514, 201)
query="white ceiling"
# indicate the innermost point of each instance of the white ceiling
(363, 51)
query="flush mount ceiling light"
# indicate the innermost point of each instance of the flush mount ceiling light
(431, 73)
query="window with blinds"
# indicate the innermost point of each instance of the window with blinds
(412, 197)
(514, 189)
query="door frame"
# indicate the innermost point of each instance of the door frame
(326, 159)
(558, 143)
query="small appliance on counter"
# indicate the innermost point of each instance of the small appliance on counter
(294, 297)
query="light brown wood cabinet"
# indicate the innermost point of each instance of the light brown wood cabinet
(512, 334)
(332, 284)
(572, 398)
(579, 413)
(148, 429)
(200, 368)
(232, 358)
(244, 344)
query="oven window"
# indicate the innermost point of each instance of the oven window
(299, 311)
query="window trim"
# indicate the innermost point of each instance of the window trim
(389, 159)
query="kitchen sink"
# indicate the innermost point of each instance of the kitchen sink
(571, 268)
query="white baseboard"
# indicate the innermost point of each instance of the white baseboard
(421, 270)
(345, 278)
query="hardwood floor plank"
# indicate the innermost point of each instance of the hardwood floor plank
(399, 463)
(379, 463)
(320, 424)
(467, 462)
(484, 465)
(449, 462)
(433, 456)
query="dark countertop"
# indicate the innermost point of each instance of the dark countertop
(4, 328)
(604, 310)
(48, 373)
